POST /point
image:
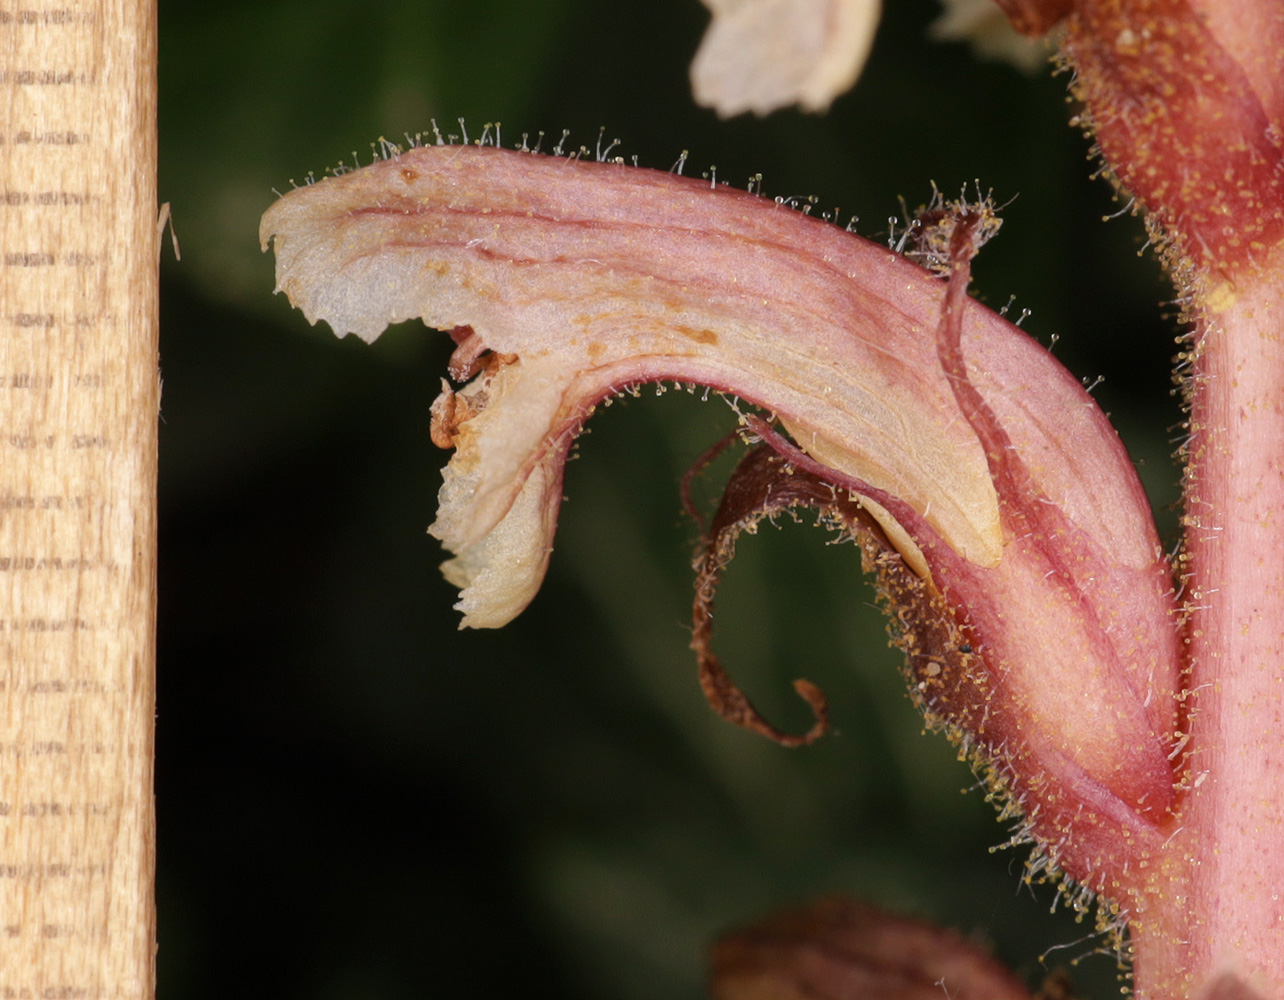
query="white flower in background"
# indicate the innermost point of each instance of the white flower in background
(760, 55)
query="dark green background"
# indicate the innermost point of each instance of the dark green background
(357, 800)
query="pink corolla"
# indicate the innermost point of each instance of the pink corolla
(993, 500)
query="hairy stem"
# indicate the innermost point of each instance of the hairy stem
(1217, 901)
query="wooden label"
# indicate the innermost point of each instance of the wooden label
(78, 409)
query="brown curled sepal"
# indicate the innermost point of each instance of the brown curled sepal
(762, 485)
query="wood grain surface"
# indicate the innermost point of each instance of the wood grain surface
(79, 394)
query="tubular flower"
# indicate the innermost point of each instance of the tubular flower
(1012, 540)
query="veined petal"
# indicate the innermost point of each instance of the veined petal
(636, 277)
(641, 275)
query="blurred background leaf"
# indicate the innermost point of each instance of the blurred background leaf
(358, 801)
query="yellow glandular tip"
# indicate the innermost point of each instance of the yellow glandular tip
(1222, 297)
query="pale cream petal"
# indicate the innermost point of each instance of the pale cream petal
(760, 55)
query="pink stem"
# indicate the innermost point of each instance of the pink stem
(1216, 902)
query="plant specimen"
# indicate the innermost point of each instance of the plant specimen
(1127, 705)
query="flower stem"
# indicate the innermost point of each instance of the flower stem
(1216, 902)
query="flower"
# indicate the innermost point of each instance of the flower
(1008, 529)
(760, 55)
(763, 55)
